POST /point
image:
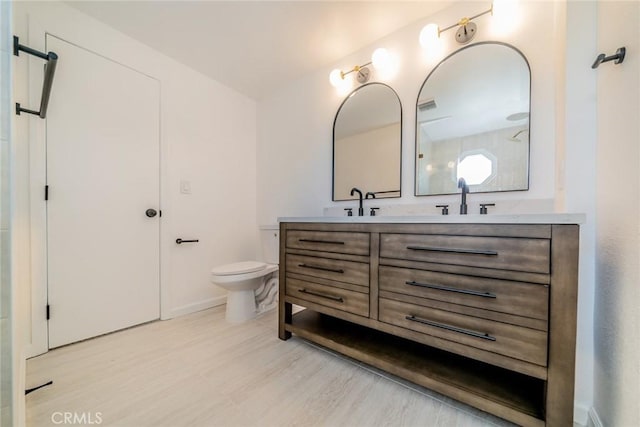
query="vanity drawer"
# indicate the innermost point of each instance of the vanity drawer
(338, 270)
(329, 241)
(329, 296)
(504, 253)
(518, 298)
(509, 340)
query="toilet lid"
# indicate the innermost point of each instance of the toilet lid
(238, 268)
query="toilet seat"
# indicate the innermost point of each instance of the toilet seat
(238, 268)
(241, 271)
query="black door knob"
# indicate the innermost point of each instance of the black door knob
(151, 213)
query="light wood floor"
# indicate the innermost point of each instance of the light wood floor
(197, 370)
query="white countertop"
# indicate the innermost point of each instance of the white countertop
(550, 218)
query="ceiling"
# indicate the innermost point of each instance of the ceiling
(255, 47)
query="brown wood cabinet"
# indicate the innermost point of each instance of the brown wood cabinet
(483, 313)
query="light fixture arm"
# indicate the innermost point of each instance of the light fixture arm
(380, 60)
(464, 21)
(466, 29)
(356, 68)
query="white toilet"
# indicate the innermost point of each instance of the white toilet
(251, 286)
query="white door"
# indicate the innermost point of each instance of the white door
(102, 176)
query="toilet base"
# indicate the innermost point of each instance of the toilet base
(241, 306)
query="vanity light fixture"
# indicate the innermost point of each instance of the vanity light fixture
(380, 60)
(466, 28)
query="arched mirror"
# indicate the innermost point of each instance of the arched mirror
(473, 118)
(367, 143)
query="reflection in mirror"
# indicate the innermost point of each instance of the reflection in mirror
(367, 143)
(473, 122)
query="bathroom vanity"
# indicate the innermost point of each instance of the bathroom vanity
(479, 308)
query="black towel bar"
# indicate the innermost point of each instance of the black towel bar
(49, 71)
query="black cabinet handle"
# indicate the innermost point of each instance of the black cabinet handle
(327, 242)
(449, 289)
(475, 334)
(453, 250)
(181, 241)
(317, 294)
(315, 267)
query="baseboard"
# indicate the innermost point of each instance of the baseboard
(197, 306)
(594, 419)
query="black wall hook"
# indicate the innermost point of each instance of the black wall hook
(617, 58)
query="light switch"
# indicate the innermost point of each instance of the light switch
(185, 187)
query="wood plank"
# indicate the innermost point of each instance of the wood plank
(356, 273)
(284, 308)
(327, 282)
(535, 231)
(329, 255)
(513, 341)
(505, 296)
(563, 314)
(329, 241)
(330, 296)
(515, 254)
(518, 276)
(374, 275)
(511, 319)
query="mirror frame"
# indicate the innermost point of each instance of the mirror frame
(415, 175)
(333, 156)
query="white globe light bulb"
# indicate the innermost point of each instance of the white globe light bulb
(429, 35)
(380, 58)
(335, 77)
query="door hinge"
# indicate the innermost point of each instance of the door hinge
(46, 192)
(48, 312)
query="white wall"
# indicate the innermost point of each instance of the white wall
(208, 135)
(617, 292)
(294, 138)
(576, 188)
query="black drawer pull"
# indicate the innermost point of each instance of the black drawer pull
(453, 250)
(451, 328)
(315, 267)
(448, 289)
(317, 294)
(328, 242)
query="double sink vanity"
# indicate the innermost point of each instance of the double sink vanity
(478, 308)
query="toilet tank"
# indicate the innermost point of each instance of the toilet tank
(270, 240)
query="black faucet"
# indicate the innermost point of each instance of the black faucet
(465, 189)
(369, 193)
(360, 208)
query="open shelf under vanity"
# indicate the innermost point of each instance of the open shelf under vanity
(438, 370)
